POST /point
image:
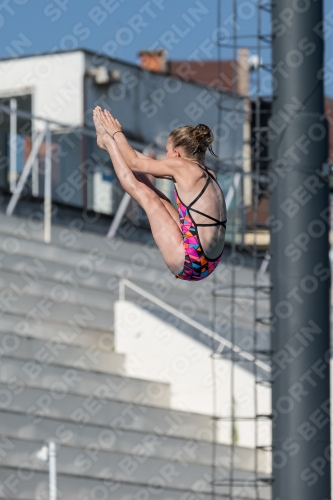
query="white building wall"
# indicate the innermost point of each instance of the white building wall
(55, 82)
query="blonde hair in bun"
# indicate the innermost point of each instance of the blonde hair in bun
(194, 140)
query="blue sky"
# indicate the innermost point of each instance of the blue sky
(120, 28)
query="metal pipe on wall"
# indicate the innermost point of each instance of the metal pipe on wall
(300, 268)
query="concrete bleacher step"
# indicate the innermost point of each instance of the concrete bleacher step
(83, 488)
(86, 272)
(40, 274)
(55, 291)
(15, 287)
(102, 271)
(74, 239)
(104, 275)
(38, 404)
(110, 386)
(125, 469)
(74, 334)
(87, 358)
(44, 309)
(128, 441)
(93, 410)
(120, 262)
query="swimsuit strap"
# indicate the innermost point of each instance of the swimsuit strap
(205, 186)
(209, 217)
(222, 223)
(200, 194)
(207, 172)
(217, 222)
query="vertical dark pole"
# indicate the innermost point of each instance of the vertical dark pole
(300, 269)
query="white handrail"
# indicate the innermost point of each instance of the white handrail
(198, 326)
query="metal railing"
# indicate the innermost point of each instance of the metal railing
(31, 164)
(16, 187)
(123, 283)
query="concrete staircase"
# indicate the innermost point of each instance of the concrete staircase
(60, 378)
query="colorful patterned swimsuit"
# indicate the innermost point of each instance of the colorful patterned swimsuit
(197, 265)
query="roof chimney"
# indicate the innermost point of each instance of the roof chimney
(243, 71)
(154, 60)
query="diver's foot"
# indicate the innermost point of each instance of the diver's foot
(102, 135)
(110, 124)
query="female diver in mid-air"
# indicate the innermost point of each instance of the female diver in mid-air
(191, 240)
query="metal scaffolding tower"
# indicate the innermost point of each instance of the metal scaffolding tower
(256, 293)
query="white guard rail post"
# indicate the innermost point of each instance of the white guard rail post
(119, 215)
(13, 145)
(47, 187)
(232, 188)
(35, 166)
(195, 324)
(52, 470)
